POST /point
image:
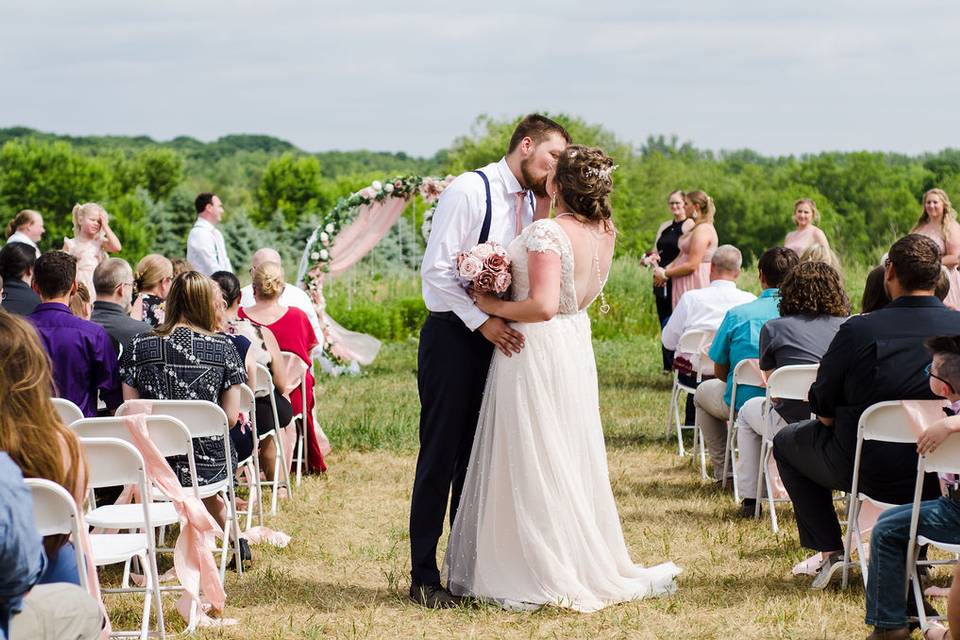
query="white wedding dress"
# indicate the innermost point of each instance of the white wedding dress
(537, 522)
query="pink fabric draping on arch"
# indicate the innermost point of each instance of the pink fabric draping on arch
(367, 229)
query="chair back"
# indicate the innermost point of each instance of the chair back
(792, 382)
(747, 372)
(296, 369)
(263, 384)
(248, 400)
(202, 418)
(696, 342)
(944, 459)
(113, 462)
(68, 412)
(55, 512)
(169, 434)
(890, 421)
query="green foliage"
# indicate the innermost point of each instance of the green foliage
(291, 185)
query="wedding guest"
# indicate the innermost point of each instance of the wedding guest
(26, 227)
(704, 309)
(807, 234)
(33, 435)
(875, 294)
(16, 271)
(813, 305)
(113, 280)
(691, 269)
(665, 250)
(817, 252)
(80, 302)
(93, 240)
(83, 358)
(938, 221)
(180, 266)
(874, 357)
(206, 249)
(294, 334)
(151, 281)
(738, 338)
(261, 348)
(186, 359)
(292, 295)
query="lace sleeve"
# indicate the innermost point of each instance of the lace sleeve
(543, 236)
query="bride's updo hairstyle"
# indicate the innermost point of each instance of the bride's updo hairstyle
(584, 181)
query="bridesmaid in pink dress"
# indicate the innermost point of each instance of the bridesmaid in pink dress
(93, 240)
(806, 234)
(938, 221)
(691, 269)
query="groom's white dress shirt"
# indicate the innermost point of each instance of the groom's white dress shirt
(206, 250)
(703, 309)
(457, 221)
(20, 236)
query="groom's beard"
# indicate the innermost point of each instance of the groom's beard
(538, 186)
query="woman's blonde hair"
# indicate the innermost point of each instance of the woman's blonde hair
(817, 252)
(84, 210)
(812, 205)
(705, 203)
(152, 269)
(22, 219)
(948, 211)
(30, 428)
(190, 302)
(268, 281)
(80, 301)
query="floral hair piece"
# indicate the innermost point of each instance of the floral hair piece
(602, 173)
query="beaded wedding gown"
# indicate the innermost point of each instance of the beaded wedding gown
(537, 522)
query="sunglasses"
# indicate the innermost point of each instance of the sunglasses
(928, 370)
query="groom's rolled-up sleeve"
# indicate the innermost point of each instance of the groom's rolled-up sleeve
(456, 221)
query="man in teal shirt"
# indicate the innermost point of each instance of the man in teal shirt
(738, 338)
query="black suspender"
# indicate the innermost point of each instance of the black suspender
(485, 229)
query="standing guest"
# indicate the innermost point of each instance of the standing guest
(807, 234)
(874, 357)
(93, 240)
(691, 269)
(80, 302)
(665, 250)
(16, 271)
(26, 227)
(152, 284)
(813, 305)
(292, 296)
(294, 334)
(738, 338)
(113, 280)
(938, 221)
(180, 266)
(206, 249)
(83, 358)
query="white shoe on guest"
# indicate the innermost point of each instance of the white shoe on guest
(810, 566)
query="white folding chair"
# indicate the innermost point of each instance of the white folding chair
(882, 422)
(248, 404)
(205, 419)
(747, 372)
(694, 343)
(113, 462)
(265, 389)
(293, 361)
(945, 459)
(68, 412)
(791, 382)
(55, 512)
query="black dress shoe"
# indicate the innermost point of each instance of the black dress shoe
(747, 508)
(889, 634)
(432, 597)
(246, 555)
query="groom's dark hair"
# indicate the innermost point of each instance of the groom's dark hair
(537, 128)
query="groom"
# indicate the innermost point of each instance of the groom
(457, 340)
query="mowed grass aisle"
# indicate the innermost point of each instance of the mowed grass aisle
(345, 574)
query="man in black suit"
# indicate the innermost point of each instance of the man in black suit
(874, 357)
(113, 282)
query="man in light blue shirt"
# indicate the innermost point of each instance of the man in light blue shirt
(738, 338)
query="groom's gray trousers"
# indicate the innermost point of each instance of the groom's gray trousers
(452, 365)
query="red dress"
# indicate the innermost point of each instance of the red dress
(295, 334)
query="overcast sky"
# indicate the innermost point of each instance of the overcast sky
(877, 74)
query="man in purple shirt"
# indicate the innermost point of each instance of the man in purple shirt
(83, 358)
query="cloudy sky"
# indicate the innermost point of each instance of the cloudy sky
(776, 77)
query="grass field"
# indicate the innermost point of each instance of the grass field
(346, 572)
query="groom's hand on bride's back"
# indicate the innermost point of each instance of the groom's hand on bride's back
(497, 331)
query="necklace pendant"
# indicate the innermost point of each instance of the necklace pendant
(604, 307)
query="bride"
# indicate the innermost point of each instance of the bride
(537, 522)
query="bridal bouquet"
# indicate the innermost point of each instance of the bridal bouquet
(485, 268)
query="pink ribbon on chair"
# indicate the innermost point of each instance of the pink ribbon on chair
(93, 583)
(192, 559)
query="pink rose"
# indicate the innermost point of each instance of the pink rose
(368, 193)
(502, 282)
(485, 281)
(482, 250)
(496, 263)
(469, 267)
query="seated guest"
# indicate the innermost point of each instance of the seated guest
(113, 281)
(152, 283)
(738, 339)
(186, 359)
(813, 305)
(181, 266)
(33, 435)
(703, 309)
(80, 302)
(817, 252)
(874, 357)
(83, 358)
(16, 270)
(875, 294)
(887, 604)
(256, 345)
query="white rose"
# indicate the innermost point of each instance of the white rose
(329, 228)
(470, 267)
(388, 187)
(377, 186)
(314, 256)
(482, 251)
(324, 254)
(324, 237)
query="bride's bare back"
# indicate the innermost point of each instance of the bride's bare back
(593, 245)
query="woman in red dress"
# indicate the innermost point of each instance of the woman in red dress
(295, 334)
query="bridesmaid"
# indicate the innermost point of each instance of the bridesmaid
(807, 234)
(938, 221)
(665, 251)
(691, 269)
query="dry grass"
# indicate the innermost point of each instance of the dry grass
(346, 572)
